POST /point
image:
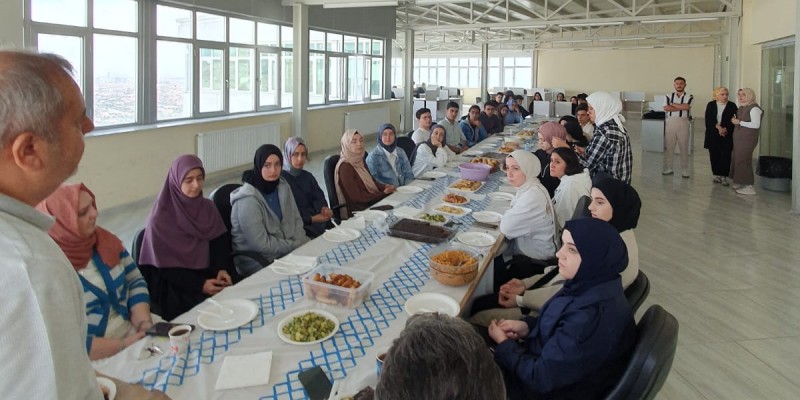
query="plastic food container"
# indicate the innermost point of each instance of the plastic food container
(474, 171)
(453, 265)
(333, 294)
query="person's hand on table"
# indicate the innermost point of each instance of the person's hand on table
(127, 341)
(388, 189)
(132, 391)
(213, 286)
(224, 277)
(504, 329)
(324, 215)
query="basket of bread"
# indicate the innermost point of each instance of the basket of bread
(453, 265)
(336, 285)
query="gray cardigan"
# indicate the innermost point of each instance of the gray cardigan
(255, 227)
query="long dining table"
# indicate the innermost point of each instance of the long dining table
(401, 269)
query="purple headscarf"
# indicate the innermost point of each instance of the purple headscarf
(179, 228)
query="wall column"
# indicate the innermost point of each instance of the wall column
(484, 71)
(408, 85)
(299, 69)
(796, 119)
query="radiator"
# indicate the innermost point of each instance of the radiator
(367, 121)
(221, 150)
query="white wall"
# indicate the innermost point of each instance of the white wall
(11, 23)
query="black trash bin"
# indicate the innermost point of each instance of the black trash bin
(775, 173)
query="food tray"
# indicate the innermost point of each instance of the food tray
(420, 231)
(453, 188)
(337, 295)
(497, 155)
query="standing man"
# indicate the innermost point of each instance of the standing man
(454, 138)
(676, 127)
(424, 121)
(43, 323)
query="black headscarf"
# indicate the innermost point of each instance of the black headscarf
(603, 254)
(389, 147)
(254, 176)
(623, 199)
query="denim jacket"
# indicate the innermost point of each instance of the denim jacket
(382, 171)
(470, 132)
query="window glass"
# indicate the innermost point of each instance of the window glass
(210, 27)
(334, 42)
(242, 31)
(288, 81)
(355, 78)
(376, 79)
(316, 78)
(287, 37)
(115, 80)
(241, 74)
(316, 40)
(364, 46)
(211, 80)
(118, 15)
(173, 80)
(377, 47)
(268, 79)
(69, 47)
(174, 22)
(349, 44)
(268, 35)
(337, 78)
(65, 12)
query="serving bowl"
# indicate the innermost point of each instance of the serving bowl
(474, 171)
(453, 265)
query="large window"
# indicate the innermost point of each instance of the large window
(194, 63)
(465, 72)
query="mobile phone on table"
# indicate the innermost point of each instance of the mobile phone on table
(162, 328)
(316, 383)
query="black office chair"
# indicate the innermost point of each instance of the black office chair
(407, 145)
(582, 208)
(409, 134)
(221, 197)
(638, 291)
(148, 271)
(652, 357)
(136, 246)
(328, 170)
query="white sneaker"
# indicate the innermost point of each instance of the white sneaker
(746, 189)
(725, 181)
(667, 171)
(717, 179)
(736, 186)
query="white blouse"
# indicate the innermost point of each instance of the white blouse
(427, 161)
(530, 223)
(568, 192)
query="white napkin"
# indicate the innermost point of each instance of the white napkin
(245, 370)
(357, 222)
(407, 212)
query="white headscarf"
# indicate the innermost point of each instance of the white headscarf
(606, 107)
(528, 163)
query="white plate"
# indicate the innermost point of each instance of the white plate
(434, 174)
(501, 196)
(473, 152)
(459, 194)
(112, 387)
(341, 235)
(487, 217)
(293, 265)
(407, 212)
(409, 189)
(289, 317)
(464, 210)
(478, 239)
(243, 312)
(452, 164)
(372, 215)
(432, 302)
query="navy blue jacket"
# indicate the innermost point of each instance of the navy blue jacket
(309, 199)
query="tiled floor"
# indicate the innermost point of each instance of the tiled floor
(723, 264)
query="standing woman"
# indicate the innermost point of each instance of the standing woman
(745, 139)
(117, 302)
(264, 215)
(181, 233)
(432, 153)
(307, 194)
(389, 166)
(574, 183)
(719, 134)
(356, 189)
(547, 132)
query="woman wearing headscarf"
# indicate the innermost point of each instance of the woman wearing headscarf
(307, 194)
(356, 189)
(745, 139)
(529, 224)
(388, 165)
(613, 201)
(547, 132)
(264, 215)
(609, 150)
(574, 183)
(182, 232)
(719, 134)
(579, 346)
(117, 302)
(432, 153)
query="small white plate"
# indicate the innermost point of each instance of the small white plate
(341, 235)
(372, 215)
(478, 239)
(457, 194)
(409, 189)
(110, 385)
(501, 196)
(289, 317)
(407, 212)
(487, 217)
(452, 164)
(432, 302)
(293, 265)
(434, 174)
(243, 312)
(473, 152)
(464, 210)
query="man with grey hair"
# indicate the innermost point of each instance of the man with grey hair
(439, 357)
(43, 324)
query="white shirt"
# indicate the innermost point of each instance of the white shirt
(43, 317)
(569, 191)
(427, 161)
(755, 118)
(674, 98)
(392, 157)
(588, 130)
(530, 223)
(420, 135)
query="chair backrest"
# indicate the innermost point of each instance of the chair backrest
(407, 145)
(328, 169)
(652, 357)
(221, 197)
(582, 207)
(638, 291)
(409, 134)
(136, 246)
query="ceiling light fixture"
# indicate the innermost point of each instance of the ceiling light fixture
(663, 21)
(592, 24)
(620, 39)
(364, 4)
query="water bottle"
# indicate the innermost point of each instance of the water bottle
(528, 145)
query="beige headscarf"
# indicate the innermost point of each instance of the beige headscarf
(749, 96)
(356, 160)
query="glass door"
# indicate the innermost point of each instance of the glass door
(777, 100)
(268, 79)
(337, 79)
